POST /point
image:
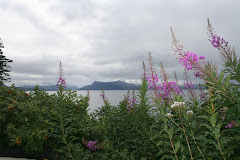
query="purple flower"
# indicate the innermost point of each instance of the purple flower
(130, 104)
(189, 58)
(152, 80)
(203, 96)
(231, 124)
(103, 97)
(166, 88)
(197, 74)
(61, 82)
(188, 85)
(91, 145)
(202, 57)
(217, 41)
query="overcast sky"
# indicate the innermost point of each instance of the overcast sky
(107, 40)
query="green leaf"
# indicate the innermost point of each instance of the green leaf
(224, 140)
(206, 125)
(213, 119)
(227, 79)
(221, 77)
(216, 133)
(170, 133)
(162, 151)
(159, 143)
(219, 125)
(177, 146)
(204, 117)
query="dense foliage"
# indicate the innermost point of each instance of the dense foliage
(162, 124)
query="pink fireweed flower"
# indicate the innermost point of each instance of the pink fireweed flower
(188, 85)
(197, 74)
(166, 89)
(130, 103)
(104, 97)
(203, 96)
(232, 124)
(61, 82)
(189, 58)
(202, 57)
(152, 80)
(217, 41)
(91, 145)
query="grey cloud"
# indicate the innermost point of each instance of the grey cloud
(106, 40)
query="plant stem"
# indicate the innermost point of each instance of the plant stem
(170, 139)
(186, 136)
(176, 123)
(195, 140)
(220, 149)
(173, 148)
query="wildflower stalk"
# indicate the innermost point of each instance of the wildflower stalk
(176, 124)
(152, 75)
(208, 71)
(220, 149)
(185, 136)
(164, 120)
(178, 49)
(170, 139)
(194, 139)
(165, 78)
(173, 148)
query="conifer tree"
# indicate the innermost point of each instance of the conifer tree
(4, 67)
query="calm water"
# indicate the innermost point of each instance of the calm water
(114, 97)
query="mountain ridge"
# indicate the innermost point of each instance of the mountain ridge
(116, 85)
(97, 85)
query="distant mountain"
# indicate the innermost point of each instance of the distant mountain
(117, 85)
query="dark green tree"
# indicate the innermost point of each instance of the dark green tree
(5, 69)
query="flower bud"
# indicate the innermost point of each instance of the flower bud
(190, 113)
(169, 115)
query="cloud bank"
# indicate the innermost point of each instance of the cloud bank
(108, 40)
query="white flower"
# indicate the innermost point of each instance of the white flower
(189, 113)
(178, 105)
(169, 115)
(172, 106)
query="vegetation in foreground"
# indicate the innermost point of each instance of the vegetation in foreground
(205, 127)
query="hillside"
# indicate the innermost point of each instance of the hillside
(117, 85)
